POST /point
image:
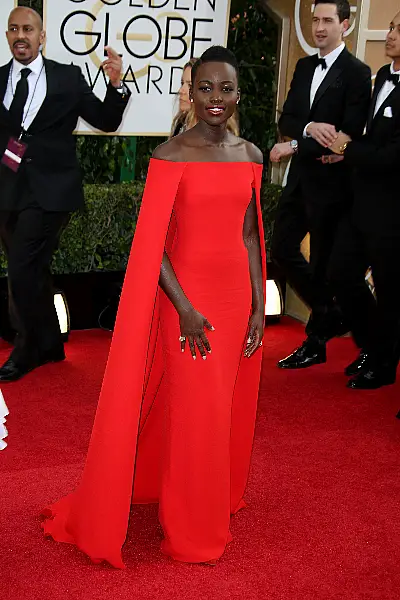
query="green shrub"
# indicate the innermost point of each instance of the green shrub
(270, 195)
(99, 237)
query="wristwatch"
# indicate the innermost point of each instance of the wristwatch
(294, 144)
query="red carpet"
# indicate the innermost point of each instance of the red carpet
(323, 516)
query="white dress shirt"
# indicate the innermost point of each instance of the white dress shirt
(386, 90)
(37, 88)
(320, 74)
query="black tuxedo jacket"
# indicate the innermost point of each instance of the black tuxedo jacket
(342, 100)
(376, 158)
(50, 167)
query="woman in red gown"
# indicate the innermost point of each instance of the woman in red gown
(176, 413)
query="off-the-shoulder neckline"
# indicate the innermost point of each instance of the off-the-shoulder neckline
(209, 162)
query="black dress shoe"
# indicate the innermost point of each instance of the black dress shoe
(372, 379)
(360, 365)
(308, 354)
(11, 371)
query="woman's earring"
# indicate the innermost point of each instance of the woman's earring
(191, 99)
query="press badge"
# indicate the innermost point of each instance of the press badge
(13, 154)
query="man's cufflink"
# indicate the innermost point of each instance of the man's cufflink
(122, 89)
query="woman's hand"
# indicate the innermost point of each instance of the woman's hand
(330, 159)
(256, 333)
(192, 324)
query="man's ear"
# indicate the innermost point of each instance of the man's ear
(345, 25)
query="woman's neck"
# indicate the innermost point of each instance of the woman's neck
(213, 135)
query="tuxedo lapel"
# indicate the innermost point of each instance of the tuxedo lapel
(379, 83)
(332, 75)
(308, 78)
(4, 77)
(393, 98)
(51, 85)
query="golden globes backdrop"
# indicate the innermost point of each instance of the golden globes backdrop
(154, 37)
(6, 7)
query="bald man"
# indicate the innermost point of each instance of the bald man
(40, 180)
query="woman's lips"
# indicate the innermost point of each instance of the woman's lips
(216, 110)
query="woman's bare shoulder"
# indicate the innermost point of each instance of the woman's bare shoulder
(254, 154)
(170, 150)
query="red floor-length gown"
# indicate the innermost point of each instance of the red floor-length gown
(169, 429)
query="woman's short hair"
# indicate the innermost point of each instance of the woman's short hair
(216, 54)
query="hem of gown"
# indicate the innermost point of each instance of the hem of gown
(55, 530)
(195, 559)
(54, 527)
(242, 504)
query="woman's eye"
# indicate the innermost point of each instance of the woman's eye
(227, 90)
(204, 89)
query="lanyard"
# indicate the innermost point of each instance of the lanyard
(26, 111)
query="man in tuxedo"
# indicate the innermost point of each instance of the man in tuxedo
(330, 91)
(370, 235)
(40, 180)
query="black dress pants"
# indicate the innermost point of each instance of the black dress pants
(29, 237)
(375, 323)
(297, 216)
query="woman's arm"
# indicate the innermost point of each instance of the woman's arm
(251, 239)
(192, 323)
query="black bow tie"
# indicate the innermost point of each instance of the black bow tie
(393, 78)
(321, 62)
